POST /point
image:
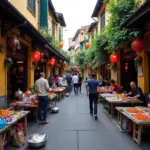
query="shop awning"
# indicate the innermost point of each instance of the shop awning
(140, 17)
(75, 67)
(7, 6)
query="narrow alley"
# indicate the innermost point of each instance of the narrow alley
(74, 129)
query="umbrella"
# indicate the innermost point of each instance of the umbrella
(75, 67)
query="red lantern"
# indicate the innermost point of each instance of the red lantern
(52, 62)
(113, 58)
(138, 45)
(36, 56)
(88, 45)
(61, 44)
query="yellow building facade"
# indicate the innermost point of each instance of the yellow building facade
(142, 80)
(18, 20)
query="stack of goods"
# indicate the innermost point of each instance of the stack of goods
(132, 110)
(141, 117)
(28, 99)
(137, 114)
(6, 117)
(57, 89)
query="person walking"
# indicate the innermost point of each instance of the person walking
(69, 81)
(75, 81)
(42, 88)
(92, 88)
(60, 80)
(80, 82)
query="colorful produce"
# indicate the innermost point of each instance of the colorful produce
(133, 110)
(124, 96)
(5, 112)
(141, 116)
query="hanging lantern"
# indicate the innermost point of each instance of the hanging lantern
(14, 44)
(36, 56)
(61, 44)
(88, 45)
(138, 45)
(113, 58)
(52, 62)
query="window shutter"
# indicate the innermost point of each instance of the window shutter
(103, 20)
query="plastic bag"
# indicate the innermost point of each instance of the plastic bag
(18, 139)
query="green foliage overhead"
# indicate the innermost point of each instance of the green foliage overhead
(55, 44)
(113, 37)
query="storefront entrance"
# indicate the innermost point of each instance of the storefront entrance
(17, 74)
(128, 70)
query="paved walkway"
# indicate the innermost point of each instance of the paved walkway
(74, 129)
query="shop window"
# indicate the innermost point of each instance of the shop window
(103, 20)
(32, 6)
(53, 28)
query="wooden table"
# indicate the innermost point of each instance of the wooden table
(137, 125)
(2, 131)
(60, 93)
(119, 102)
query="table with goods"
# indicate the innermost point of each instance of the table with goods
(9, 119)
(59, 91)
(113, 100)
(29, 101)
(139, 116)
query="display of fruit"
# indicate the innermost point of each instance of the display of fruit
(5, 112)
(133, 110)
(141, 116)
(124, 96)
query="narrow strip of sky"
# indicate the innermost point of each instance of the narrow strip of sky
(77, 13)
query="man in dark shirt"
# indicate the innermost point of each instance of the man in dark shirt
(69, 81)
(93, 88)
(136, 92)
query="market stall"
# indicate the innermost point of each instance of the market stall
(29, 101)
(60, 91)
(140, 116)
(9, 119)
(113, 100)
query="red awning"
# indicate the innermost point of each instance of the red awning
(75, 67)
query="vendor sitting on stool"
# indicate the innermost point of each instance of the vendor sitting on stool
(136, 92)
(114, 87)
